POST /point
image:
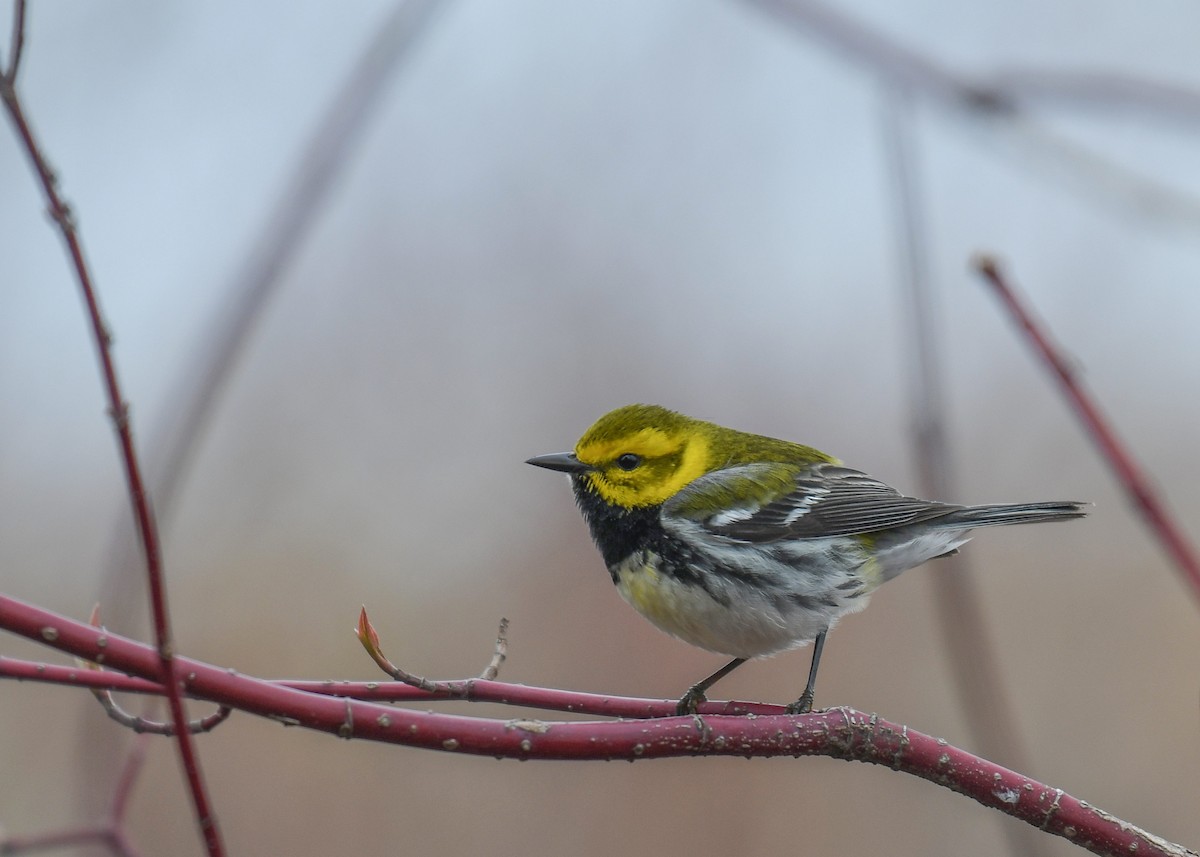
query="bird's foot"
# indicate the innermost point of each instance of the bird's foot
(690, 701)
(803, 705)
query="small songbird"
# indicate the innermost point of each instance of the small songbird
(747, 545)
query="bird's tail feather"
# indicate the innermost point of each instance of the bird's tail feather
(1014, 513)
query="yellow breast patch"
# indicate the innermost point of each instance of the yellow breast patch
(643, 587)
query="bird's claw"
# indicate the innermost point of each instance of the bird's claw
(803, 705)
(690, 702)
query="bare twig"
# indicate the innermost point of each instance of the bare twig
(455, 689)
(157, 727)
(108, 702)
(962, 620)
(61, 213)
(1115, 453)
(499, 654)
(17, 45)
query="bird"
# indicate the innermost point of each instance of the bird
(746, 545)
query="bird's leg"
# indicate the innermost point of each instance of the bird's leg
(804, 704)
(695, 694)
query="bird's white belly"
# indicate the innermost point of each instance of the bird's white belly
(751, 624)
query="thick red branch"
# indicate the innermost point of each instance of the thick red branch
(841, 733)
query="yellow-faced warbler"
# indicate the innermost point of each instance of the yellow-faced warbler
(747, 545)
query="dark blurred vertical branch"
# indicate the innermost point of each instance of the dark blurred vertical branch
(286, 227)
(17, 43)
(964, 629)
(1120, 460)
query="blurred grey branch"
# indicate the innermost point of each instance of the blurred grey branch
(1099, 90)
(174, 441)
(1003, 102)
(966, 634)
(287, 225)
(17, 44)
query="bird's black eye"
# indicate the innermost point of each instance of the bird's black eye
(629, 461)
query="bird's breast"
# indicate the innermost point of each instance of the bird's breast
(672, 606)
(734, 618)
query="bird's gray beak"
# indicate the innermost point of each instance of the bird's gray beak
(565, 462)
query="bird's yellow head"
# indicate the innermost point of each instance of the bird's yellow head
(637, 456)
(642, 455)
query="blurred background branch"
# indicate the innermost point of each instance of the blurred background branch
(967, 637)
(1002, 102)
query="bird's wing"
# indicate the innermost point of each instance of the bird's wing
(814, 502)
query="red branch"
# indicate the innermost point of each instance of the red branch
(840, 733)
(166, 672)
(1112, 450)
(469, 690)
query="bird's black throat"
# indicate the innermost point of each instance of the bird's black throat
(617, 532)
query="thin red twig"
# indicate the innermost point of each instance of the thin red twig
(466, 690)
(840, 733)
(1114, 452)
(61, 213)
